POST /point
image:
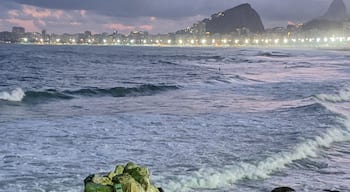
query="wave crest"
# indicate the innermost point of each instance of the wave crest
(341, 96)
(214, 179)
(273, 54)
(210, 178)
(15, 95)
(51, 94)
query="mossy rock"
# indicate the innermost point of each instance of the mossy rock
(129, 178)
(94, 187)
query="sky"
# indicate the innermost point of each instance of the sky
(155, 16)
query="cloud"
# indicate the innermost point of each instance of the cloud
(40, 12)
(118, 26)
(28, 24)
(156, 16)
(273, 9)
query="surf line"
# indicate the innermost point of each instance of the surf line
(209, 178)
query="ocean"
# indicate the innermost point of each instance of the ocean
(202, 119)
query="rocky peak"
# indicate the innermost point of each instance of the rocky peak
(242, 16)
(337, 11)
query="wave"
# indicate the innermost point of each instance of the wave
(273, 54)
(45, 95)
(32, 96)
(142, 90)
(341, 96)
(15, 95)
(220, 178)
(217, 179)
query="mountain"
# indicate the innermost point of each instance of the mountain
(336, 11)
(332, 19)
(242, 16)
(323, 25)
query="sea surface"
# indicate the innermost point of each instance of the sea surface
(201, 119)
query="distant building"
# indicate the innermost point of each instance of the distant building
(199, 28)
(347, 27)
(18, 30)
(8, 37)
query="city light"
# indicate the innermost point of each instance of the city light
(141, 38)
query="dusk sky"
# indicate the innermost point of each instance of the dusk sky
(155, 16)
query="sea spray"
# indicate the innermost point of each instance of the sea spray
(15, 95)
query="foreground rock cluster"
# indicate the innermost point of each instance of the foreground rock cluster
(128, 178)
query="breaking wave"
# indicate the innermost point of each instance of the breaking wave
(15, 95)
(210, 178)
(30, 96)
(341, 96)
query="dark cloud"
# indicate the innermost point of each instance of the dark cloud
(272, 9)
(168, 13)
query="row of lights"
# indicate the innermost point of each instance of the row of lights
(225, 41)
(276, 41)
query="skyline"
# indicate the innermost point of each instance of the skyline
(155, 16)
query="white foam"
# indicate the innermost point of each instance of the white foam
(213, 179)
(341, 96)
(15, 95)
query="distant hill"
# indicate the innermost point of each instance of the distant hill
(336, 11)
(332, 19)
(242, 16)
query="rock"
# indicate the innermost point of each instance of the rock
(128, 178)
(242, 16)
(283, 189)
(327, 190)
(324, 25)
(93, 187)
(331, 20)
(336, 11)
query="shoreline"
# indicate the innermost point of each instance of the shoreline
(321, 47)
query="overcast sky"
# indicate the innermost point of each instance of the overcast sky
(155, 16)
